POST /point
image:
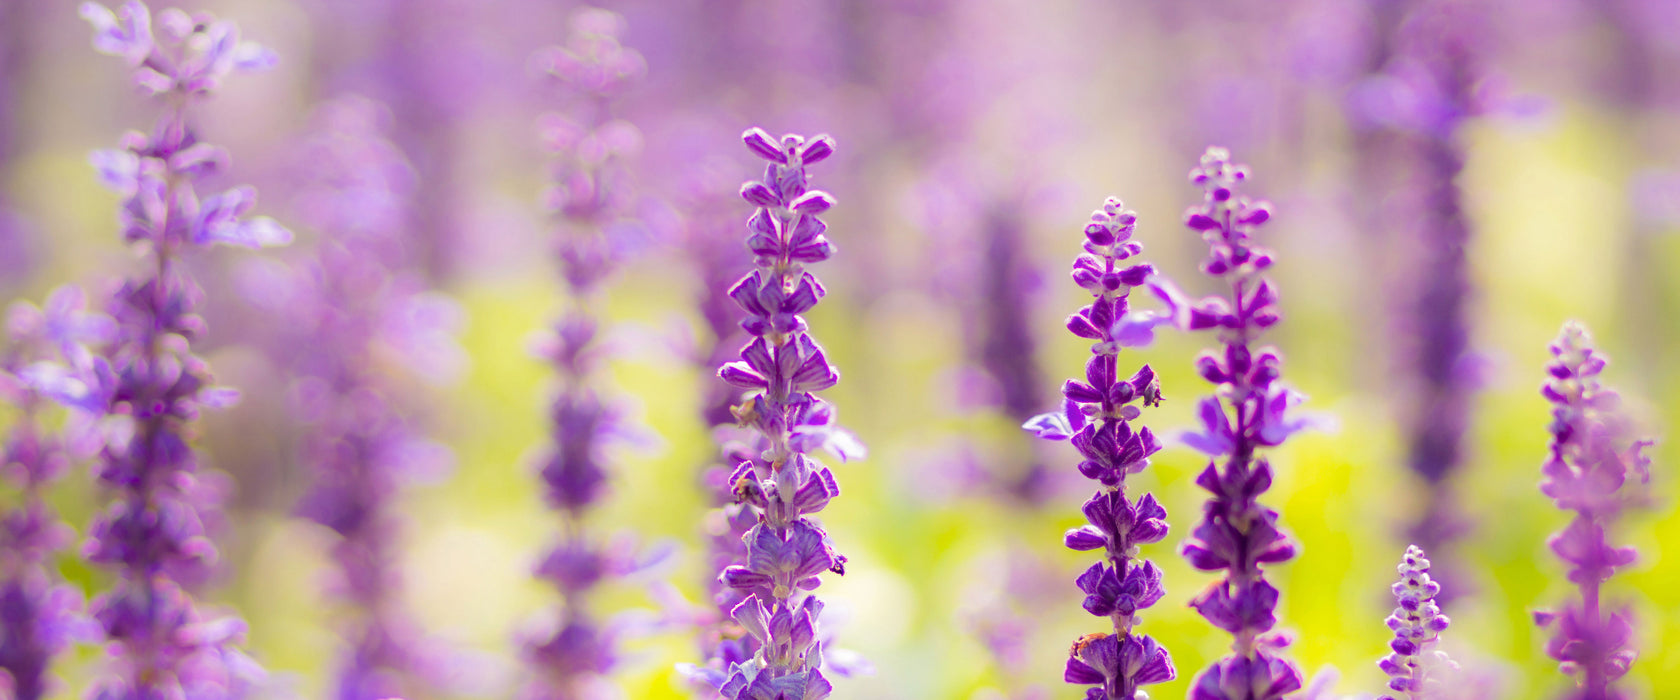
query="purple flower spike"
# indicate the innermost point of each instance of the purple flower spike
(1098, 416)
(1248, 410)
(337, 315)
(45, 360)
(1596, 470)
(778, 484)
(594, 202)
(1414, 667)
(148, 386)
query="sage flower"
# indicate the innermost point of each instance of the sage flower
(1101, 416)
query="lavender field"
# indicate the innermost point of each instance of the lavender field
(805, 349)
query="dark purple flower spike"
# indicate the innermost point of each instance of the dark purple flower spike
(149, 386)
(782, 367)
(592, 198)
(1098, 416)
(1249, 409)
(1415, 668)
(1589, 470)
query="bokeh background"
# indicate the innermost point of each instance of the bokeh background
(974, 138)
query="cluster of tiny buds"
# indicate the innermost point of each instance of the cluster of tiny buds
(1225, 219)
(1417, 624)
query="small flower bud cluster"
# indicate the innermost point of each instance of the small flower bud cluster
(1417, 626)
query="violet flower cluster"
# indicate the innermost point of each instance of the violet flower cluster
(1247, 412)
(150, 387)
(1097, 417)
(1414, 666)
(46, 359)
(1591, 461)
(352, 304)
(591, 197)
(783, 367)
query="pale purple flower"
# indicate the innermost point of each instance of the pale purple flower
(1097, 417)
(153, 534)
(594, 202)
(1596, 470)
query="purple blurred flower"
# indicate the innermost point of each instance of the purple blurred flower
(1249, 410)
(1592, 458)
(360, 435)
(592, 198)
(1414, 666)
(783, 368)
(45, 360)
(149, 386)
(1097, 418)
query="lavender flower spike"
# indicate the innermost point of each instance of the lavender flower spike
(39, 613)
(1247, 411)
(149, 385)
(783, 367)
(591, 199)
(1097, 416)
(1417, 625)
(1591, 458)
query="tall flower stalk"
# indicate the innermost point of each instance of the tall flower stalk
(352, 304)
(151, 536)
(1592, 458)
(783, 367)
(45, 360)
(1434, 70)
(1097, 416)
(1414, 667)
(1237, 535)
(591, 198)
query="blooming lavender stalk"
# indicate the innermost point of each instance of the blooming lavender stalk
(39, 614)
(1246, 412)
(1097, 416)
(1591, 457)
(591, 197)
(1414, 665)
(783, 366)
(152, 534)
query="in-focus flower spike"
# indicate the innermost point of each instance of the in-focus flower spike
(1588, 472)
(149, 386)
(592, 199)
(1414, 667)
(46, 359)
(782, 367)
(1248, 410)
(1098, 416)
